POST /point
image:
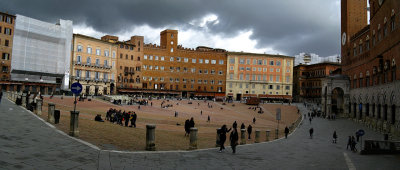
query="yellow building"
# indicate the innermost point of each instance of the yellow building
(94, 65)
(269, 77)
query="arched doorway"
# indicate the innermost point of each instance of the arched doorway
(337, 101)
(112, 88)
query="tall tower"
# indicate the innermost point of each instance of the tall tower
(354, 18)
(169, 40)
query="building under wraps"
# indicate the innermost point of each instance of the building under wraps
(41, 54)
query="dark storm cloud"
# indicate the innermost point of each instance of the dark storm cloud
(290, 26)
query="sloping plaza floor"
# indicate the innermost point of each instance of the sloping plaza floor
(27, 142)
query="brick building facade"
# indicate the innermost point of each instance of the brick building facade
(308, 80)
(370, 55)
(174, 70)
(7, 22)
(269, 77)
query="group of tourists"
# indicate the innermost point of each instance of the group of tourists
(121, 117)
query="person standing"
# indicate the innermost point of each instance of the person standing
(249, 129)
(286, 132)
(222, 137)
(133, 120)
(201, 112)
(254, 120)
(234, 137)
(191, 123)
(310, 120)
(187, 127)
(311, 132)
(334, 136)
(208, 118)
(234, 125)
(242, 126)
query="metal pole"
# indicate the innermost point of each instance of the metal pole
(75, 104)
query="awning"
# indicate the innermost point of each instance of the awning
(267, 96)
(147, 91)
(249, 95)
(230, 94)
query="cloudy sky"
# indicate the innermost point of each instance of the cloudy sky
(289, 27)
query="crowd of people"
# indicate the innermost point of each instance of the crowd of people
(120, 117)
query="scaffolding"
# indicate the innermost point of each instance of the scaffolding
(41, 51)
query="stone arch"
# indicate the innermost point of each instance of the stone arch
(337, 100)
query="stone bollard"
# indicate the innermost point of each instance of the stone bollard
(12, 96)
(193, 138)
(276, 133)
(29, 102)
(23, 99)
(39, 106)
(242, 136)
(267, 135)
(257, 136)
(150, 137)
(50, 115)
(217, 142)
(73, 125)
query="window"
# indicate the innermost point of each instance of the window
(373, 40)
(155, 67)
(201, 61)
(200, 71)
(265, 77)
(241, 61)
(213, 61)
(171, 69)
(248, 61)
(278, 87)
(254, 69)
(271, 70)
(113, 64)
(206, 61)
(360, 48)
(253, 77)
(131, 47)
(193, 70)
(270, 87)
(379, 35)
(247, 77)
(113, 56)
(87, 74)
(241, 68)
(106, 53)
(287, 79)
(171, 58)
(271, 78)
(205, 72)
(162, 58)
(8, 20)
(105, 76)
(178, 69)
(145, 57)
(172, 50)
(212, 82)
(240, 85)
(212, 71)
(277, 78)
(367, 45)
(278, 70)
(240, 76)
(260, 62)
(193, 60)
(121, 46)
(278, 63)
(385, 30)
(7, 31)
(78, 73)
(184, 69)
(155, 57)
(106, 63)
(79, 48)
(288, 63)
(271, 62)
(288, 70)
(232, 61)
(259, 77)
(150, 67)
(131, 57)
(6, 43)
(230, 85)
(264, 69)
(392, 23)
(79, 59)
(89, 50)
(220, 72)
(231, 68)
(151, 57)
(221, 61)
(126, 56)
(161, 67)
(354, 51)
(88, 61)
(199, 81)
(248, 69)
(231, 76)
(98, 52)
(220, 82)
(287, 87)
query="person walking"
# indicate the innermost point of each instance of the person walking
(334, 137)
(133, 120)
(222, 137)
(234, 137)
(348, 143)
(1, 95)
(311, 132)
(286, 132)
(249, 129)
(234, 125)
(254, 120)
(208, 118)
(310, 120)
(353, 144)
(201, 112)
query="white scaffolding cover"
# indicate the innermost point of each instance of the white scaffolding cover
(41, 51)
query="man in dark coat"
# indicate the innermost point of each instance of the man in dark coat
(187, 127)
(249, 130)
(191, 123)
(234, 125)
(311, 132)
(234, 137)
(286, 132)
(242, 126)
(222, 137)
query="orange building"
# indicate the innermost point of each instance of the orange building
(308, 80)
(129, 55)
(7, 22)
(175, 70)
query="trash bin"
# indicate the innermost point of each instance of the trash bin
(386, 137)
(56, 116)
